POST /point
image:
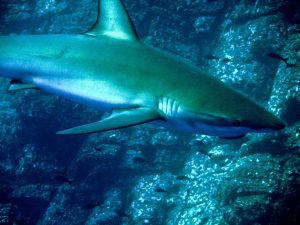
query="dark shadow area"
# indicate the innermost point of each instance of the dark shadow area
(274, 145)
(284, 206)
(291, 114)
(42, 134)
(3, 9)
(5, 190)
(291, 11)
(31, 209)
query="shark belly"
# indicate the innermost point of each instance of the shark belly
(100, 94)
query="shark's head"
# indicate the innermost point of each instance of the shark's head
(224, 118)
(227, 127)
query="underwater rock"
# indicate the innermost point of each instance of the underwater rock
(247, 46)
(109, 211)
(147, 175)
(6, 214)
(203, 23)
(247, 10)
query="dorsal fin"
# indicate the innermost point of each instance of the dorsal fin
(113, 21)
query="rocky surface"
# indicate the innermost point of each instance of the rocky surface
(150, 175)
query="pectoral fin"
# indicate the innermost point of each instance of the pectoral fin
(16, 85)
(233, 137)
(118, 119)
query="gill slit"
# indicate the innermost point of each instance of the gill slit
(167, 107)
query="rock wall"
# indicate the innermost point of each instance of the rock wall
(150, 175)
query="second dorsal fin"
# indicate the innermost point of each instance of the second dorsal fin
(113, 21)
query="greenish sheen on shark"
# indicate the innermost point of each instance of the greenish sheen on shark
(108, 67)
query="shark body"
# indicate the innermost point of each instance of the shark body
(109, 68)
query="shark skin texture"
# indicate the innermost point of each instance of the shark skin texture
(108, 67)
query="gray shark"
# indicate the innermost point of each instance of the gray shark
(108, 67)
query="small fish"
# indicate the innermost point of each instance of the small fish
(289, 65)
(211, 57)
(139, 159)
(279, 57)
(204, 221)
(98, 149)
(182, 177)
(160, 190)
(188, 192)
(89, 206)
(226, 60)
(122, 214)
(60, 178)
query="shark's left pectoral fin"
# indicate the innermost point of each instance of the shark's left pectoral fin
(118, 119)
(16, 85)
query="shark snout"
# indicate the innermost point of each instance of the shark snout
(270, 124)
(277, 125)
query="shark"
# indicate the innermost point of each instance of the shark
(110, 68)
